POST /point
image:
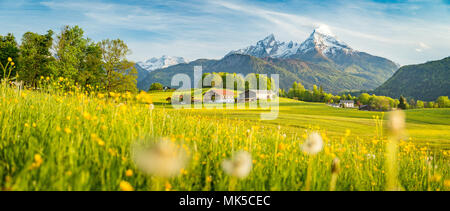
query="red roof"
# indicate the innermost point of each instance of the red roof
(223, 92)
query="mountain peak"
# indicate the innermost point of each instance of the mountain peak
(323, 30)
(162, 62)
(270, 37)
(268, 41)
(323, 40)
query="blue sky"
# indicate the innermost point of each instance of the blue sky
(406, 32)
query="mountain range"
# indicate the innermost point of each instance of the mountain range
(425, 81)
(322, 59)
(155, 63)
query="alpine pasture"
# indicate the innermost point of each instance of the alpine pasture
(52, 139)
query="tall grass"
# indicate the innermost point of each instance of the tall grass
(55, 140)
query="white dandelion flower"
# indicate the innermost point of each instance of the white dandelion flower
(151, 107)
(162, 159)
(397, 122)
(313, 144)
(239, 165)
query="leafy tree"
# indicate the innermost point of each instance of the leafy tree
(412, 103)
(380, 103)
(78, 58)
(92, 71)
(121, 75)
(69, 49)
(420, 104)
(156, 86)
(282, 93)
(364, 98)
(403, 103)
(8, 49)
(35, 57)
(443, 102)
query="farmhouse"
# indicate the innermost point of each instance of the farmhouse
(252, 95)
(347, 104)
(218, 96)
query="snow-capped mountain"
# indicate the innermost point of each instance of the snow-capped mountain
(325, 43)
(320, 40)
(269, 47)
(322, 60)
(162, 62)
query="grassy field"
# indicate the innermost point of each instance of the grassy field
(72, 141)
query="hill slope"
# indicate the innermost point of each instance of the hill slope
(423, 81)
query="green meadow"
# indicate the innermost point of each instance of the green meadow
(423, 125)
(54, 140)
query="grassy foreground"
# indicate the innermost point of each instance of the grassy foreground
(72, 141)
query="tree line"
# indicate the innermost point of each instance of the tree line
(71, 55)
(298, 91)
(221, 80)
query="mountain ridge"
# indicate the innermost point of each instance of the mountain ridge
(425, 81)
(322, 59)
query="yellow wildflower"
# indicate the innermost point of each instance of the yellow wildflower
(447, 183)
(87, 116)
(125, 186)
(129, 173)
(436, 178)
(168, 186)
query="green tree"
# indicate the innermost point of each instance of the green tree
(420, 104)
(92, 71)
(9, 49)
(121, 75)
(364, 98)
(69, 49)
(156, 86)
(403, 104)
(77, 58)
(35, 57)
(443, 102)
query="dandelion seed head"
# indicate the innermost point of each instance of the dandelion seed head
(162, 159)
(397, 122)
(313, 143)
(239, 165)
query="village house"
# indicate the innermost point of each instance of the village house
(347, 104)
(218, 96)
(252, 95)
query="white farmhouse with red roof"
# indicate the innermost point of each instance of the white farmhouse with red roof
(219, 96)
